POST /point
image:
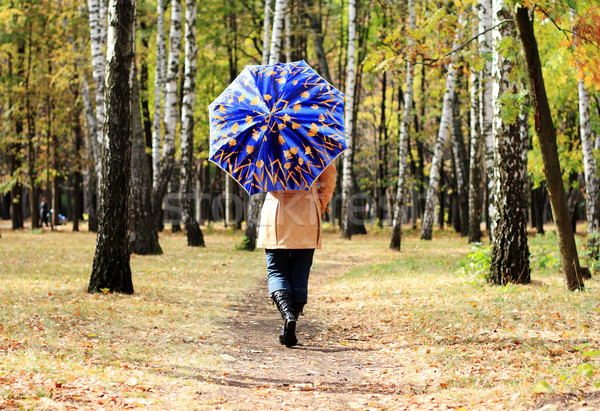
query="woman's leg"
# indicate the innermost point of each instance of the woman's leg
(299, 270)
(278, 270)
(278, 273)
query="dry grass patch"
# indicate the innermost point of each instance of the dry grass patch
(452, 340)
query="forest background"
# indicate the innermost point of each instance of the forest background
(425, 128)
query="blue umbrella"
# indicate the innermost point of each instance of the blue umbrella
(277, 127)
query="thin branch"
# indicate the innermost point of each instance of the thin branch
(565, 31)
(429, 61)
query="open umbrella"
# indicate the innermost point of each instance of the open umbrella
(277, 127)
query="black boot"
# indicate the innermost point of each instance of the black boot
(283, 300)
(297, 309)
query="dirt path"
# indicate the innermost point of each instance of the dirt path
(328, 369)
(319, 373)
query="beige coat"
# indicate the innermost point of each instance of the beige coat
(292, 219)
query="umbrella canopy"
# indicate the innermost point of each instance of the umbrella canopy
(277, 127)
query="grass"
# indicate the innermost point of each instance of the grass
(451, 336)
(53, 332)
(447, 337)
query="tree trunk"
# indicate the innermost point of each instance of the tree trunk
(278, 23)
(438, 153)
(16, 193)
(592, 191)
(97, 40)
(485, 105)
(396, 241)
(167, 160)
(266, 31)
(510, 251)
(475, 161)
(347, 176)
(111, 270)
(317, 34)
(76, 176)
(547, 137)
(159, 81)
(461, 162)
(186, 188)
(143, 237)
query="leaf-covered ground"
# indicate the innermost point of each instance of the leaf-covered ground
(383, 330)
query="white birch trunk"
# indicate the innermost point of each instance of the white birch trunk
(266, 31)
(97, 19)
(438, 153)
(510, 251)
(159, 80)
(170, 117)
(278, 22)
(589, 163)
(288, 37)
(475, 160)
(403, 148)
(347, 213)
(485, 99)
(192, 229)
(170, 108)
(91, 123)
(592, 189)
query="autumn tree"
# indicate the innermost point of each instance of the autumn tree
(111, 270)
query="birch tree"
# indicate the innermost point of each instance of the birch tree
(485, 103)
(347, 212)
(186, 190)
(475, 157)
(592, 189)
(167, 159)
(278, 23)
(438, 152)
(159, 80)
(510, 251)
(396, 241)
(97, 40)
(111, 270)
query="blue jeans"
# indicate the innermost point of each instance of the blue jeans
(289, 270)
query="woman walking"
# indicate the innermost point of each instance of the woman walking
(290, 231)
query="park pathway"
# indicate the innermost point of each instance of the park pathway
(325, 371)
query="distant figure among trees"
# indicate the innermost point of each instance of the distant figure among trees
(44, 212)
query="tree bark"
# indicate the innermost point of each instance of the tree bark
(486, 110)
(278, 23)
(111, 270)
(159, 81)
(438, 153)
(510, 251)
(592, 189)
(347, 176)
(76, 176)
(266, 31)
(462, 168)
(97, 40)
(143, 237)
(475, 162)
(317, 34)
(396, 241)
(547, 136)
(167, 160)
(186, 187)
